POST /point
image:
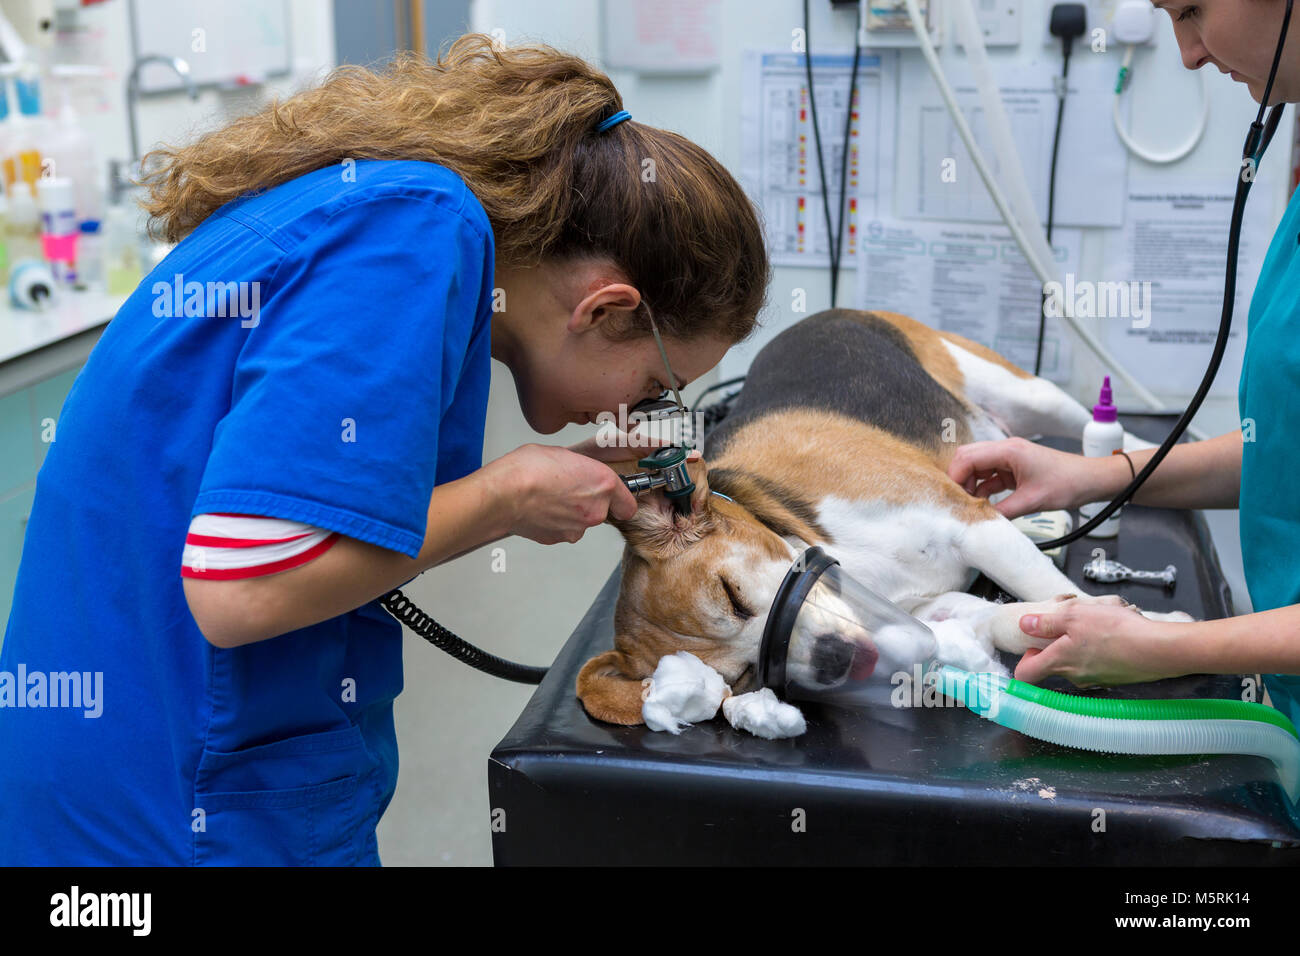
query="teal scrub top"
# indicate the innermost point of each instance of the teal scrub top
(1269, 402)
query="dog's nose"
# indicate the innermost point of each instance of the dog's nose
(834, 660)
(831, 657)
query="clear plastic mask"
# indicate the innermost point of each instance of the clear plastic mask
(829, 637)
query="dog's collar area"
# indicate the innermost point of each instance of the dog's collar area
(721, 495)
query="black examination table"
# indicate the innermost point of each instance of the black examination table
(925, 786)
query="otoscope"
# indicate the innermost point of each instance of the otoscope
(667, 470)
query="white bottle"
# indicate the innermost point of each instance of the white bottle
(90, 255)
(4, 241)
(69, 153)
(1102, 436)
(56, 197)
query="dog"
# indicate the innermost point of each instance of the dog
(841, 438)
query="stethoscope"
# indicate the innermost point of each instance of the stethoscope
(1257, 140)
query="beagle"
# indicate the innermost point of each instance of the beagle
(841, 438)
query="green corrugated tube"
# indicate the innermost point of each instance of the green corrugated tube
(1131, 726)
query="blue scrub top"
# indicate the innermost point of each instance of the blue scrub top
(1269, 401)
(345, 376)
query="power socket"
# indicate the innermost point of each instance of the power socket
(885, 23)
(1101, 15)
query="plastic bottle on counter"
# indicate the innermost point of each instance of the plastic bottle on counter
(57, 200)
(121, 252)
(23, 229)
(90, 255)
(1104, 435)
(69, 153)
(4, 240)
(6, 135)
(22, 161)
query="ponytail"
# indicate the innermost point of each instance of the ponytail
(518, 125)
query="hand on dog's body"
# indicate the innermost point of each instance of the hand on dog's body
(1042, 478)
(1203, 474)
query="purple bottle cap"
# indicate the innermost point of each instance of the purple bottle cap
(1105, 410)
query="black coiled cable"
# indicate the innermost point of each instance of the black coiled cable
(401, 607)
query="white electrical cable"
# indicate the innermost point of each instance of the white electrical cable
(999, 200)
(1013, 180)
(976, 155)
(1173, 155)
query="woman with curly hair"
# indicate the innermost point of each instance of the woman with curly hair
(285, 421)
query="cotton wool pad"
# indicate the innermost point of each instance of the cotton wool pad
(763, 715)
(682, 690)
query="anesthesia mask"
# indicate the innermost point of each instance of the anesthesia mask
(830, 638)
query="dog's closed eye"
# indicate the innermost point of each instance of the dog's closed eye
(737, 607)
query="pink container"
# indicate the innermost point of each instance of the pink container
(60, 248)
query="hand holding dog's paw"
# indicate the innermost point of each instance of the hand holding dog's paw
(1096, 644)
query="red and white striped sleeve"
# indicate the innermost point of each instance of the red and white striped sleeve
(222, 547)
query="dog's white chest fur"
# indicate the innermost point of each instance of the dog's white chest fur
(904, 553)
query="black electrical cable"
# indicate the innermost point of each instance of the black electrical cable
(834, 231)
(817, 138)
(713, 388)
(844, 174)
(1051, 194)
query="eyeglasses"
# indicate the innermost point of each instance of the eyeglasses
(672, 379)
(652, 406)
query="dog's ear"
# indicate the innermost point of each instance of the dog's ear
(657, 530)
(609, 691)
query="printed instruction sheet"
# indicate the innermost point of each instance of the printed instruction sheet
(1173, 249)
(779, 167)
(969, 279)
(1091, 160)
